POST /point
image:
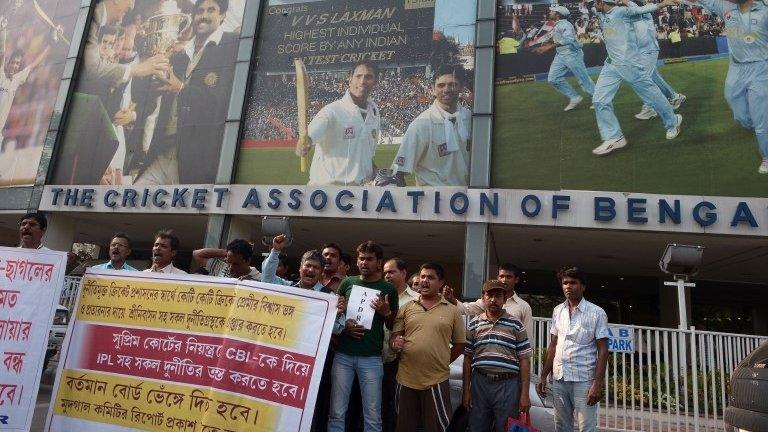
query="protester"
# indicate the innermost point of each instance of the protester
(497, 369)
(331, 276)
(32, 228)
(429, 334)
(508, 274)
(232, 262)
(395, 272)
(576, 356)
(119, 251)
(359, 350)
(345, 265)
(310, 270)
(164, 250)
(283, 269)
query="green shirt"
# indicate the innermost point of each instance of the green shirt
(371, 342)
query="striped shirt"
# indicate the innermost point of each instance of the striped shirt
(219, 267)
(577, 334)
(497, 346)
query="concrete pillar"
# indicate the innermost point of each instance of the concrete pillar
(60, 233)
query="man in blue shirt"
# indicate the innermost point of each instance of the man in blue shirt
(648, 46)
(624, 64)
(746, 86)
(569, 57)
(119, 251)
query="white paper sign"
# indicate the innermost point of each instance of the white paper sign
(359, 305)
(30, 285)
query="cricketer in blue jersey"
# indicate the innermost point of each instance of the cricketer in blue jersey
(569, 57)
(648, 47)
(624, 64)
(746, 85)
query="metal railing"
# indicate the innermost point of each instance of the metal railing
(69, 292)
(677, 380)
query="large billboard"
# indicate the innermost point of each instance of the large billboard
(34, 40)
(152, 96)
(361, 92)
(603, 97)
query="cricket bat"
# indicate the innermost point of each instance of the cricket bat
(302, 104)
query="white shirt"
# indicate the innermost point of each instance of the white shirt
(8, 87)
(577, 333)
(515, 306)
(169, 269)
(344, 143)
(425, 152)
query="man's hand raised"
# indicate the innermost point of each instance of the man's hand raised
(279, 242)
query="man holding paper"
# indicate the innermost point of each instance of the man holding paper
(369, 309)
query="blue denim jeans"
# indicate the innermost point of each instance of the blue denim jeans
(570, 399)
(370, 372)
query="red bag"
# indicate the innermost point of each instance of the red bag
(522, 425)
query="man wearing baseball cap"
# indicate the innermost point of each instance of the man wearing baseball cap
(569, 57)
(497, 368)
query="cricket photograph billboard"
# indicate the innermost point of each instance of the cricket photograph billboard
(659, 97)
(151, 99)
(35, 38)
(360, 92)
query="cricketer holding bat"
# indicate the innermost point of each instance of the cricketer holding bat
(569, 57)
(345, 133)
(746, 86)
(436, 144)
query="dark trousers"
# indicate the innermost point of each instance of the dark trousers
(431, 406)
(389, 397)
(323, 402)
(493, 402)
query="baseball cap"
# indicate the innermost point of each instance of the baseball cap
(562, 10)
(494, 284)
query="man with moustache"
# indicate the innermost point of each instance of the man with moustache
(518, 308)
(359, 351)
(164, 250)
(576, 356)
(429, 335)
(119, 251)
(436, 146)
(310, 271)
(332, 277)
(193, 111)
(32, 228)
(345, 133)
(497, 368)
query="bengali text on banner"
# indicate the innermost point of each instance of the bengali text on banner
(191, 353)
(30, 284)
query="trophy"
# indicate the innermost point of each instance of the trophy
(163, 29)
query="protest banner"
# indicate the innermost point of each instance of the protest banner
(190, 353)
(29, 290)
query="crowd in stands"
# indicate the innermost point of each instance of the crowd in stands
(529, 22)
(271, 112)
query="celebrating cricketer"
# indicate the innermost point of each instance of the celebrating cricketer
(345, 133)
(569, 57)
(436, 144)
(624, 64)
(746, 85)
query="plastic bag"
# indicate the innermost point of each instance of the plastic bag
(521, 425)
